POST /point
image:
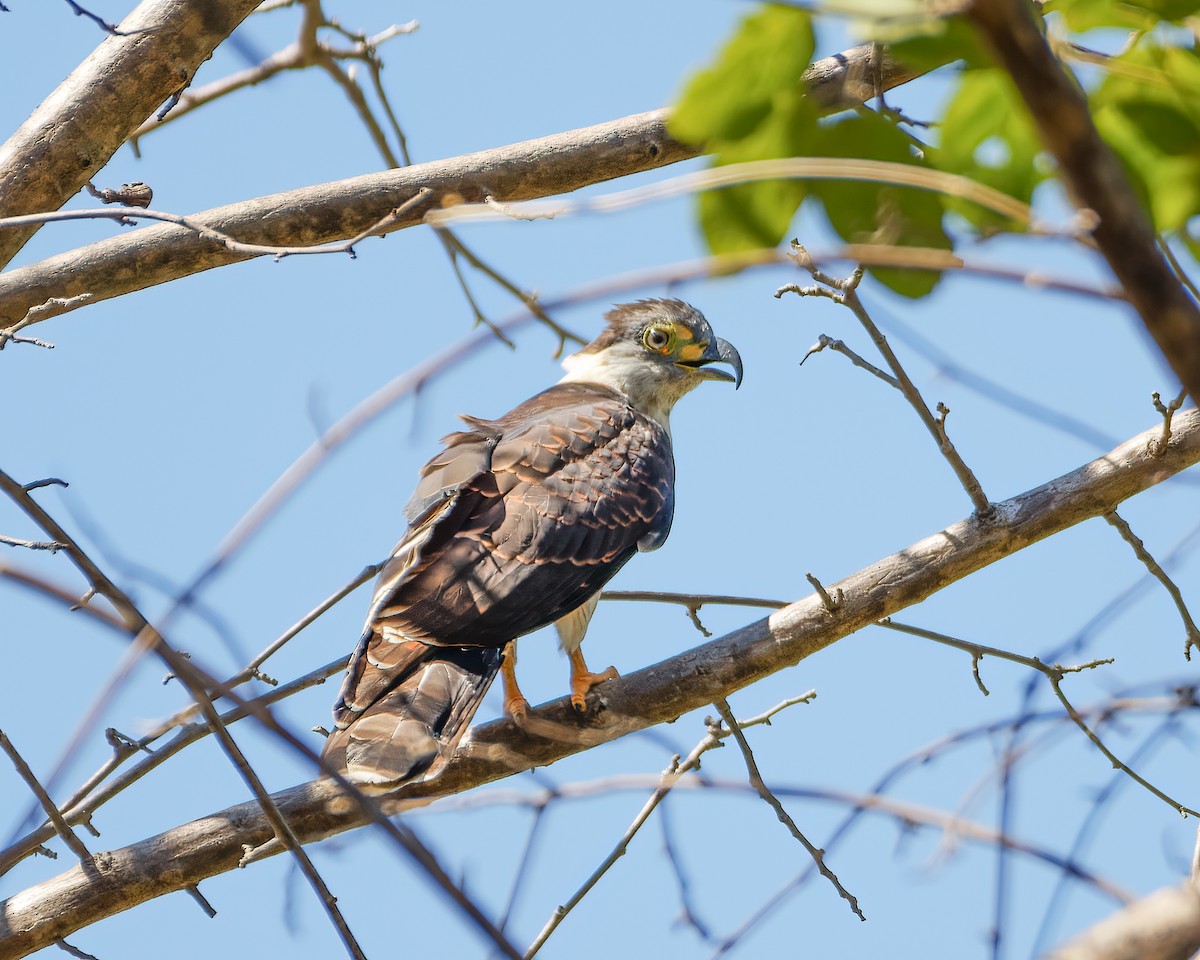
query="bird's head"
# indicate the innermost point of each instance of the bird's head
(653, 352)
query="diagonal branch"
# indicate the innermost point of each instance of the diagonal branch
(761, 788)
(330, 212)
(656, 694)
(82, 123)
(1096, 180)
(146, 637)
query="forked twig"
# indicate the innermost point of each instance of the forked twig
(772, 801)
(844, 291)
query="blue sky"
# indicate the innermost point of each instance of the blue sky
(171, 410)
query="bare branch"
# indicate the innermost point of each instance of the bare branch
(80, 125)
(95, 18)
(1054, 673)
(50, 545)
(146, 637)
(205, 232)
(633, 702)
(1167, 411)
(756, 781)
(1162, 926)
(333, 212)
(839, 346)
(60, 825)
(1096, 181)
(1139, 548)
(844, 292)
(675, 771)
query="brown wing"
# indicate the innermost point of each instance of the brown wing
(555, 498)
(514, 524)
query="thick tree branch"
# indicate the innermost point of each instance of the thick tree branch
(1162, 926)
(185, 855)
(336, 211)
(82, 123)
(330, 212)
(1096, 181)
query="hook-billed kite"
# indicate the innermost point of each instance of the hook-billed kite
(515, 525)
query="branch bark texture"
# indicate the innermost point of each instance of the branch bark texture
(337, 211)
(181, 857)
(1096, 181)
(1162, 926)
(75, 131)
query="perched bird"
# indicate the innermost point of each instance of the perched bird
(515, 525)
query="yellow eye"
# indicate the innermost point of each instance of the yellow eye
(657, 339)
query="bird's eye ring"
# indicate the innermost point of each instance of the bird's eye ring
(657, 339)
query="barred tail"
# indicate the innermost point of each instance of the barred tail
(430, 695)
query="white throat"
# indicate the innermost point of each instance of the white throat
(649, 387)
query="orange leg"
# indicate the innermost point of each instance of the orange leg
(515, 705)
(582, 681)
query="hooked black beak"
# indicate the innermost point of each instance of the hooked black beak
(719, 351)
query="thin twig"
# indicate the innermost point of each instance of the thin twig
(1177, 267)
(1053, 673)
(99, 21)
(688, 914)
(128, 215)
(906, 813)
(50, 545)
(523, 864)
(754, 171)
(839, 346)
(1159, 446)
(696, 600)
(202, 901)
(144, 634)
(832, 603)
(843, 291)
(772, 801)
(671, 776)
(60, 825)
(72, 951)
(53, 307)
(1139, 548)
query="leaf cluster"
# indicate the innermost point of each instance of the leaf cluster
(752, 103)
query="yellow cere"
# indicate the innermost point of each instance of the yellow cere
(691, 352)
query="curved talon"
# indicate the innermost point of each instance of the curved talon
(582, 683)
(517, 708)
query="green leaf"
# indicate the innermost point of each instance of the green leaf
(1164, 126)
(942, 41)
(1084, 15)
(1169, 185)
(753, 215)
(869, 212)
(986, 134)
(768, 53)
(1147, 110)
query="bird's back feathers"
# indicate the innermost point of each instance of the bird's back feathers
(516, 523)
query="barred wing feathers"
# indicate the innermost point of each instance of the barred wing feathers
(516, 523)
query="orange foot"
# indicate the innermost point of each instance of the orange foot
(516, 707)
(582, 681)
(515, 704)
